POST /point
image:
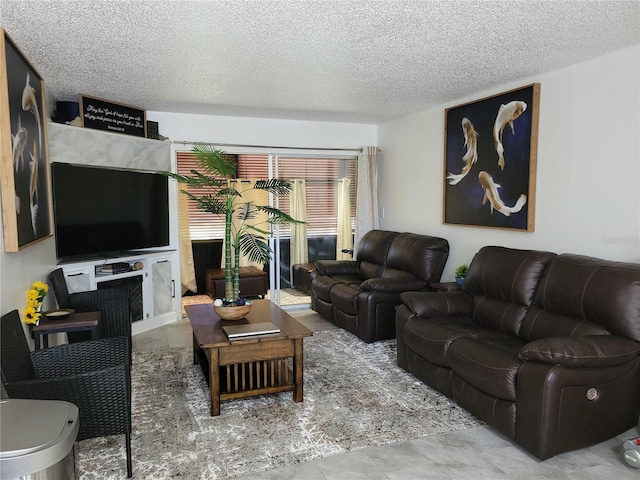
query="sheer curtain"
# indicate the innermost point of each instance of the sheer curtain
(187, 268)
(345, 239)
(366, 194)
(298, 200)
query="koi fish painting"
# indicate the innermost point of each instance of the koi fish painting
(492, 195)
(469, 158)
(507, 114)
(490, 161)
(24, 169)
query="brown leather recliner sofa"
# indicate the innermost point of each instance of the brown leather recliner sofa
(545, 348)
(362, 295)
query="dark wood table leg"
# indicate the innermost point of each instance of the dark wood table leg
(214, 381)
(297, 369)
(36, 338)
(196, 346)
(95, 334)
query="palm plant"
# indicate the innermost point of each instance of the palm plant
(245, 236)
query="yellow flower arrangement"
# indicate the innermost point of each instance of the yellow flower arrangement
(35, 296)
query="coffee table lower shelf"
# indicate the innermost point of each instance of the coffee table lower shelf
(248, 371)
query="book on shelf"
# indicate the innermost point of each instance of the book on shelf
(113, 268)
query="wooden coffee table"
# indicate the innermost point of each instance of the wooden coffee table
(250, 366)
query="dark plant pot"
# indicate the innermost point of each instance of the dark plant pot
(460, 280)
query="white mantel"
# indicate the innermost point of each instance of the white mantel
(83, 146)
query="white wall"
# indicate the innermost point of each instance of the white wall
(18, 270)
(263, 131)
(587, 196)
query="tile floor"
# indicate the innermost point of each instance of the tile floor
(477, 453)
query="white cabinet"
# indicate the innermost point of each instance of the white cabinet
(151, 277)
(163, 286)
(78, 278)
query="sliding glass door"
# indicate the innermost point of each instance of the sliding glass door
(316, 199)
(323, 193)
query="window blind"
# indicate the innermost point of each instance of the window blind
(321, 175)
(202, 225)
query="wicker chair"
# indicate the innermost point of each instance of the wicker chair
(91, 375)
(112, 303)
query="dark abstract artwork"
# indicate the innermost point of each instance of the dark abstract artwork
(490, 161)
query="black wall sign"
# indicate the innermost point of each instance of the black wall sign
(113, 117)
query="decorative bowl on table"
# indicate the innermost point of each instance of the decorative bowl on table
(232, 312)
(58, 314)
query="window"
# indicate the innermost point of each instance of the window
(321, 175)
(202, 225)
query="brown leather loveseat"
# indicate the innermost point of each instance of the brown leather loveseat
(545, 348)
(362, 295)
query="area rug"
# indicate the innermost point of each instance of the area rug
(354, 396)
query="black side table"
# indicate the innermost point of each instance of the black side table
(76, 322)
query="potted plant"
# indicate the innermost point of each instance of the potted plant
(460, 273)
(244, 236)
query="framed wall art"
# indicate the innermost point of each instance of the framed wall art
(24, 161)
(490, 156)
(109, 116)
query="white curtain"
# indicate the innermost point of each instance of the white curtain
(345, 238)
(366, 194)
(187, 268)
(259, 197)
(299, 245)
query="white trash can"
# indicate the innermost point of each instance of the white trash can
(37, 439)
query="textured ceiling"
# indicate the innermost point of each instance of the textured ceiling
(353, 61)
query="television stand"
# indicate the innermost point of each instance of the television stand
(149, 276)
(161, 267)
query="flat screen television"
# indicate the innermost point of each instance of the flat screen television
(103, 212)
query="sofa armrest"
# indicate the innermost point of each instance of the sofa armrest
(433, 304)
(393, 285)
(337, 267)
(587, 351)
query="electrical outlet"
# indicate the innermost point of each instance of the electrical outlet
(381, 212)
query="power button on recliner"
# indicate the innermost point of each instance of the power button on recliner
(632, 452)
(592, 393)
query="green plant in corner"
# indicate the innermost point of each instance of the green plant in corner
(221, 198)
(460, 273)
